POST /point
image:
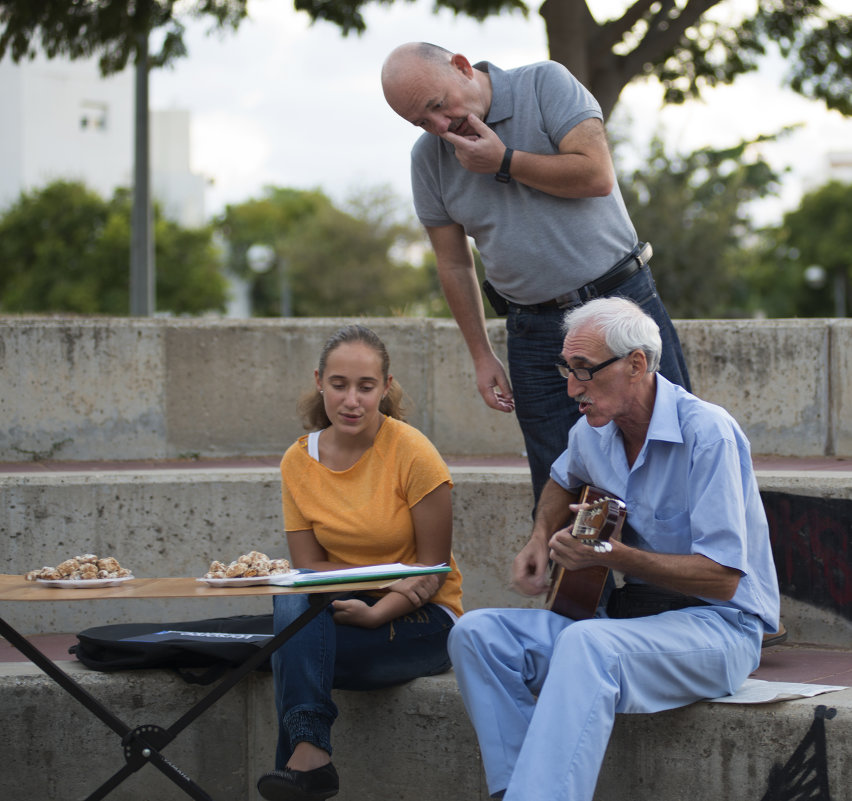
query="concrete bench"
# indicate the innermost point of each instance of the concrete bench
(173, 522)
(409, 743)
(154, 389)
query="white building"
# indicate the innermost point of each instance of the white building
(179, 190)
(62, 120)
(839, 166)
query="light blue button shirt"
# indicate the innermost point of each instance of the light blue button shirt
(692, 489)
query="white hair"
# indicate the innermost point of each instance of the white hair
(625, 327)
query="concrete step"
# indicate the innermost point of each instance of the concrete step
(172, 518)
(409, 743)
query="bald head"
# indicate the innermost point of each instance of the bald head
(407, 59)
(433, 88)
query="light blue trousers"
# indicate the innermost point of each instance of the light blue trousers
(542, 690)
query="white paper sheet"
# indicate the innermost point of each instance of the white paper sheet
(756, 691)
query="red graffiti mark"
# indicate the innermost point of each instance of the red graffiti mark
(810, 540)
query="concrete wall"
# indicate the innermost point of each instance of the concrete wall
(110, 389)
(788, 382)
(105, 389)
(174, 522)
(141, 389)
(94, 389)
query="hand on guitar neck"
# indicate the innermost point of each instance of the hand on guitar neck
(576, 580)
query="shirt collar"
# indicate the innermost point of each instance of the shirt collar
(502, 100)
(665, 423)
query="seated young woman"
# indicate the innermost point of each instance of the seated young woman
(362, 488)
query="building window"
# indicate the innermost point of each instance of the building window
(93, 116)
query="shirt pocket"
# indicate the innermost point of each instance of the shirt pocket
(672, 532)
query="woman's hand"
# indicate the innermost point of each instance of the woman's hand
(354, 612)
(418, 589)
(404, 596)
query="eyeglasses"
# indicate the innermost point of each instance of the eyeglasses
(584, 373)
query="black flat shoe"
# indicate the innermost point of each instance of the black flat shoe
(299, 785)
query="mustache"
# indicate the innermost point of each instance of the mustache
(583, 399)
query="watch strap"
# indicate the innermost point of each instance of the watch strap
(503, 173)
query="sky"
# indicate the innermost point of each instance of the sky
(291, 104)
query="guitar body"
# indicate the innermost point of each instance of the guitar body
(577, 593)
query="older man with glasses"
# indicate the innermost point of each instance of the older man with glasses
(700, 588)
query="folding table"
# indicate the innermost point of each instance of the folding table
(142, 744)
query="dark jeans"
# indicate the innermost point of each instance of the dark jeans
(543, 408)
(324, 655)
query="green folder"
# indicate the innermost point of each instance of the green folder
(350, 574)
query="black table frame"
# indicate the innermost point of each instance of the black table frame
(142, 744)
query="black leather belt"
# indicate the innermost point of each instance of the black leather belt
(628, 266)
(640, 600)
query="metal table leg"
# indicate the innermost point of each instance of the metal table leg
(143, 744)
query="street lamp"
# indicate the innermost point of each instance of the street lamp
(260, 258)
(816, 277)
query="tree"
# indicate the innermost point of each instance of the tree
(693, 209)
(678, 41)
(116, 30)
(803, 266)
(333, 262)
(266, 221)
(64, 249)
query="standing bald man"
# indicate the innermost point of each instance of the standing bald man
(518, 160)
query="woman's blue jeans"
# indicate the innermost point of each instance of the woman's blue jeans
(542, 406)
(323, 655)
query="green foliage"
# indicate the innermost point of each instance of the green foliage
(818, 233)
(693, 210)
(267, 220)
(111, 28)
(681, 42)
(815, 42)
(346, 14)
(65, 249)
(335, 262)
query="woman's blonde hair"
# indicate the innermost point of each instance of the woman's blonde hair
(311, 406)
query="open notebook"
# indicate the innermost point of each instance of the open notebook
(365, 573)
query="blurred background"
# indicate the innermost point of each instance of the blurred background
(278, 177)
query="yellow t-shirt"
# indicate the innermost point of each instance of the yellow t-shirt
(361, 516)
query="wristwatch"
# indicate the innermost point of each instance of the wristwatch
(503, 173)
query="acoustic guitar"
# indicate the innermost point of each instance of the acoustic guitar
(577, 593)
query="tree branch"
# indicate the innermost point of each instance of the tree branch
(613, 31)
(663, 35)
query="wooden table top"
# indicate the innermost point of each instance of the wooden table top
(17, 588)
